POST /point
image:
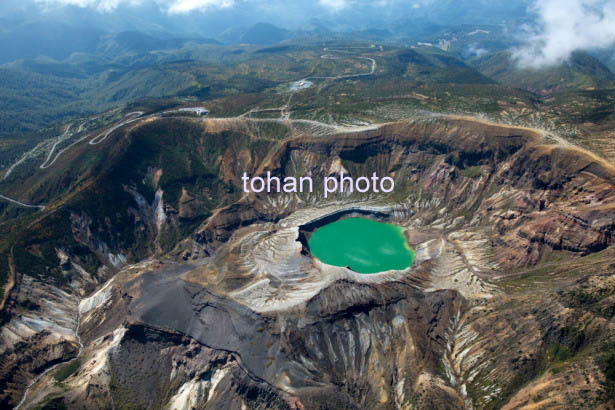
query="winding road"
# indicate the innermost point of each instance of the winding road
(285, 110)
(15, 201)
(61, 139)
(132, 117)
(339, 77)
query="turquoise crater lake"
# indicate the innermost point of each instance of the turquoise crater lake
(363, 245)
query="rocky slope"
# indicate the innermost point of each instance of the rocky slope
(508, 303)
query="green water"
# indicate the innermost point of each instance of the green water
(363, 245)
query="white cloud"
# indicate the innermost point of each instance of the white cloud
(565, 26)
(186, 6)
(100, 5)
(171, 6)
(335, 5)
(475, 51)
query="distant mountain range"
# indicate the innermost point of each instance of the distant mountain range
(29, 30)
(582, 71)
(58, 41)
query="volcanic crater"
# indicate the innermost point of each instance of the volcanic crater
(244, 308)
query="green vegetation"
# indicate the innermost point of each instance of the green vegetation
(582, 71)
(53, 404)
(35, 95)
(606, 362)
(558, 356)
(472, 172)
(67, 370)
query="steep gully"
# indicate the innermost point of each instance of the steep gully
(52, 368)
